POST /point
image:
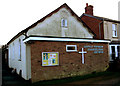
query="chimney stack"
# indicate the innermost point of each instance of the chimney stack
(89, 9)
(86, 4)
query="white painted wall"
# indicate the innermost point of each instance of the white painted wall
(14, 56)
(52, 26)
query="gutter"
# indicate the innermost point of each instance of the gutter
(64, 39)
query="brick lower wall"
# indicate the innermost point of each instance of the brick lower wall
(69, 62)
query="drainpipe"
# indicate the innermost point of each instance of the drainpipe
(100, 29)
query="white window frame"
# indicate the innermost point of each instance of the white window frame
(71, 46)
(64, 23)
(116, 52)
(114, 30)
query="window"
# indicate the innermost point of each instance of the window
(114, 30)
(118, 49)
(13, 51)
(71, 48)
(64, 23)
(114, 52)
(19, 57)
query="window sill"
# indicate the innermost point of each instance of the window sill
(65, 27)
(72, 51)
(115, 37)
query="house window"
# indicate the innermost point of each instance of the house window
(114, 52)
(13, 51)
(63, 22)
(19, 57)
(71, 48)
(114, 30)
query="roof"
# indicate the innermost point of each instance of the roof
(41, 20)
(100, 18)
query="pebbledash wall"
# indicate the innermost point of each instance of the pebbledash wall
(70, 63)
(15, 48)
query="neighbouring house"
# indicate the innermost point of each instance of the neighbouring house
(57, 46)
(104, 28)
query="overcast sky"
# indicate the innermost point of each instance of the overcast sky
(16, 15)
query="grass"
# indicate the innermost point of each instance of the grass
(76, 78)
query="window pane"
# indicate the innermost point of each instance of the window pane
(118, 49)
(116, 33)
(113, 52)
(64, 22)
(113, 33)
(19, 58)
(70, 48)
(13, 51)
(113, 26)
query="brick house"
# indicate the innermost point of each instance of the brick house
(104, 28)
(57, 46)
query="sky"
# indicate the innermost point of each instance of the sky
(17, 15)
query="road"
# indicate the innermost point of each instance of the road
(101, 80)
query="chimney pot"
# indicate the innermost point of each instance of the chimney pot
(86, 4)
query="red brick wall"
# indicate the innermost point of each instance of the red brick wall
(69, 62)
(93, 24)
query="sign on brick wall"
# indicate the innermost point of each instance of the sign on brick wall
(50, 58)
(95, 48)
